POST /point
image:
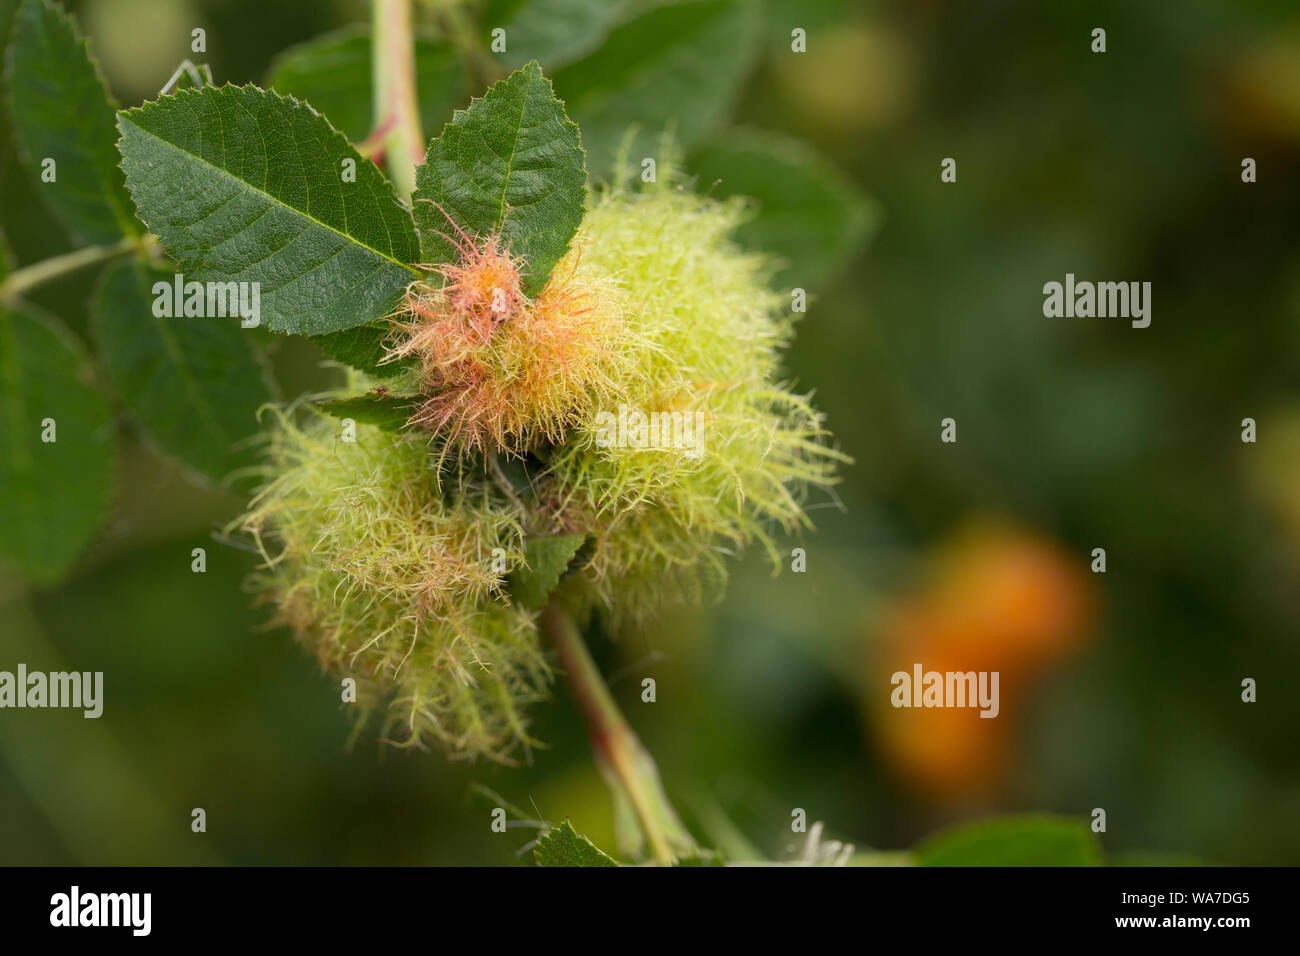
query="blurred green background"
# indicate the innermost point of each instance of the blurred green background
(1122, 689)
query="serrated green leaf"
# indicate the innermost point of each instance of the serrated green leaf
(545, 560)
(193, 384)
(1013, 841)
(509, 165)
(362, 347)
(62, 111)
(564, 846)
(192, 80)
(389, 412)
(333, 73)
(245, 185)
(807, 213)
(550, 31)
(54, 493)
(677, 67)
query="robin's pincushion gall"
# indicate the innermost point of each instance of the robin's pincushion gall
(389, 556)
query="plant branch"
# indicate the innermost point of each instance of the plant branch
(459, 31)
(396, 107)
(503, 482)
(623, 760)
(47, 270)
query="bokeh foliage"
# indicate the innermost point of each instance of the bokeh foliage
(1124, 166)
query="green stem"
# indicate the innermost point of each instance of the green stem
(20, 280)
(396, 107)
(620, 755)
(460, 32)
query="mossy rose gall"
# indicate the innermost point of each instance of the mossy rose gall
(384, 554)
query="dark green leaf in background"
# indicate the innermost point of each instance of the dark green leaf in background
(807, 213)
(245, 185)
(54, 493)
(62, 111)
(550, 31)
(677, 67)
(193, 384)
(389, 412)
(1013, 841)
(333, 74)
(362, 347)
(564, 846)
(545, 560)
(511, 165)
